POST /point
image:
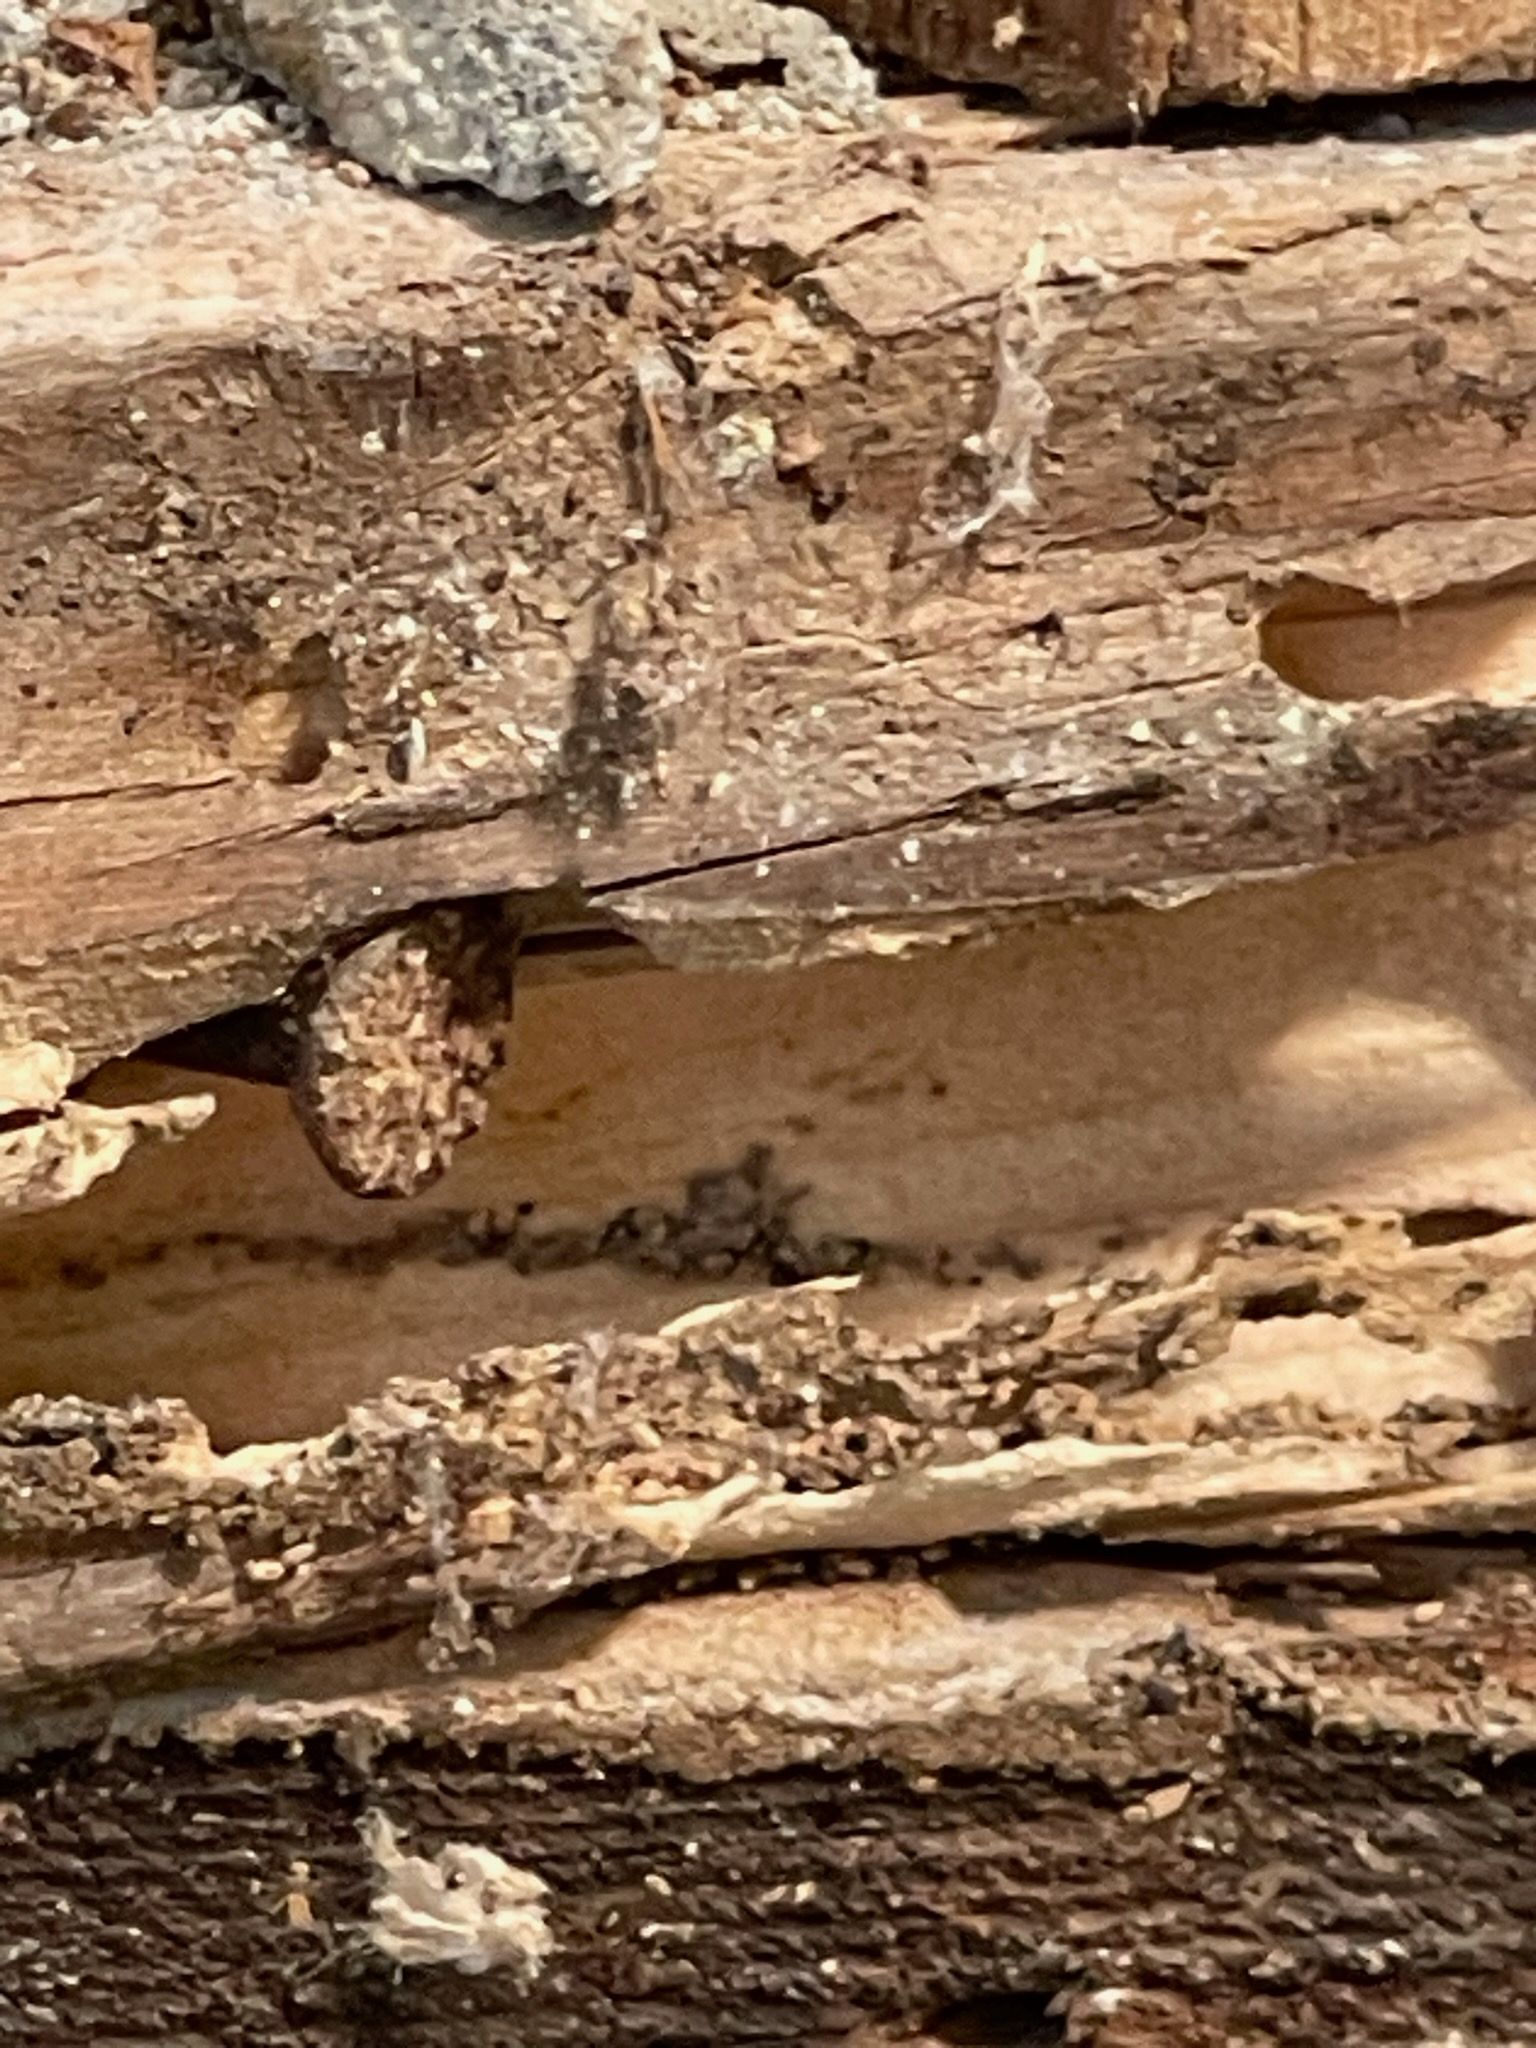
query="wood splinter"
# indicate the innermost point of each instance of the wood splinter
(394, 1042)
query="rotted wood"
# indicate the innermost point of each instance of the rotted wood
(1051, 1801)
(903, 569)
(696, 1686)
(385, 1045)
(862, 545)
(1142, 1404)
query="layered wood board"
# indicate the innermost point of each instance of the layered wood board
(1224, 1792)
(1232, 1787)
(1144, 1813)
(903, 570)
(862, 547)
(1150, 1402)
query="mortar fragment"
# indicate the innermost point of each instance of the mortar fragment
(525, 97)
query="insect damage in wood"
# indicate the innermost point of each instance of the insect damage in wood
(932, 1492)
(702, 1840)
(394, 1042)
(715, 639)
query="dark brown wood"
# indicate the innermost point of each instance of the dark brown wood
(1080, 1802)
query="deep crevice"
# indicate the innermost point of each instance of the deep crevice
(1000, 2019)
(1419, 113)
(1304, 1299)
(1459, 1226)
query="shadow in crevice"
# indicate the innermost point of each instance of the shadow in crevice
(998, 2019)
(1428, 113)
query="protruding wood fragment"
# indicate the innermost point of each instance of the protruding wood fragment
(1308, 1377)
(34, 1076)
(395, 1041)
(60, 1156)
(53, 1150)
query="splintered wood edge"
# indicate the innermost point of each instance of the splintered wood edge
(989, 1666)
(54, 1150)
(711, 1685)
(1133, 1410)
(62, 1152)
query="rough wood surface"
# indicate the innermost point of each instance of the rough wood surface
(1260, 1768)
(1306, 1377)
(862, 545)
(903, 569)
(53, 1150)
(1124, 56)
(1126, 1802)
(393, 1044)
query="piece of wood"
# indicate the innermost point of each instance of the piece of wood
(1305, 1377)
(53, 1150)
(61, 1155)
(900, 569)
(1131, 57)
(394, 1040)
(1232, 1792)
(1354, 1039)
(1113, 1805)
(1358, 1038)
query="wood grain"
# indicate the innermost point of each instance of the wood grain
(902, 570)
